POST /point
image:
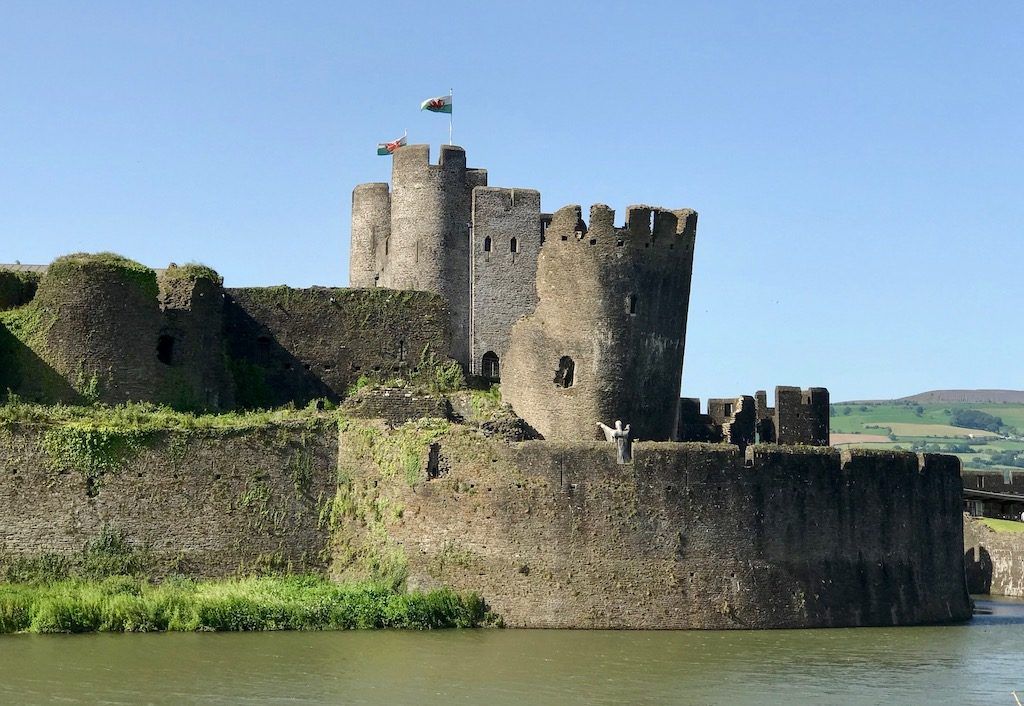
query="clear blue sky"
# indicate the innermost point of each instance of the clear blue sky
(858, 167)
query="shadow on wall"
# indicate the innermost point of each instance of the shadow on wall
(978, 569)
(22, 370)
(265, 373)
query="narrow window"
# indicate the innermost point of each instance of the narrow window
(401, 350)
(387, 242)
(487, 244)
(489, 366)
(727, 409)
(565, 376)
(165, 349)
(264, 345)
(631, 304)
(513, 245)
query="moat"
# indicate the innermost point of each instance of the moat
(980, 662)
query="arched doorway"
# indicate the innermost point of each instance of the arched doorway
(489, 366)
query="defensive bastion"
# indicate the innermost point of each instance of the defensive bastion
(551, 534)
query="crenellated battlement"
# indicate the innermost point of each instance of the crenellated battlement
(414, 161)
(646, 228)
(799, 417)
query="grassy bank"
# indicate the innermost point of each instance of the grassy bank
(1003, 525)
(126, 604)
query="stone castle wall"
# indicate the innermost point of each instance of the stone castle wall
(551, 534)
(799, 417)
(102, 329)
(506, 244)
(607, 338)
(202, 504)
(994, 560)
(191, 346)
(294, 345)
(558, 535)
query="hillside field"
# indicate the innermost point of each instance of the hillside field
(916, 426)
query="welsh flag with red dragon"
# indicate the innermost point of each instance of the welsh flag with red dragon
(386, 148)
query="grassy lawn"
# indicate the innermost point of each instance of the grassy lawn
(944, 431)
(1003, 525)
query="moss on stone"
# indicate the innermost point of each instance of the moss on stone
(17, 287)
(192, 271)
(251, 388)
(23, 355)
(65, 269)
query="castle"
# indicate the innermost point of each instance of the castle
(580, 319)
(738, 517)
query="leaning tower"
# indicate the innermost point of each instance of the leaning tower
(606, 340)
(417, 234)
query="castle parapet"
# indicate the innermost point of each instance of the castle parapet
(607, 338)
(799, 417)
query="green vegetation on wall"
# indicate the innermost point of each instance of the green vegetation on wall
(23, 332)
(17, 288)
(108, 554)
(192, 271)
(66, 269)
(432, 375)
(251, 388)
(360, 512)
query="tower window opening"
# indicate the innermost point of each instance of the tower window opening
(489, 366)
(165, 349)
(487, 244)
(387, 245)
(401, 350)
(565, 376)
(264, 345)
(631, 304)
(727, 409)
(513, 245)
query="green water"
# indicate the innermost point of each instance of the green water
(978, 663)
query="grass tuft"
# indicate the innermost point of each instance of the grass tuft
(125, 604)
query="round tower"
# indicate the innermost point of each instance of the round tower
(428, 244)
(190, 346)
(102, 326)
(371, 229)
(606, 340)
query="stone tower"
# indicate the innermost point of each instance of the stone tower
(103, 326)
(507, 240)
(418, 235)
(606, 340)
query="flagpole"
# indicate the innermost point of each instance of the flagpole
(451, 95)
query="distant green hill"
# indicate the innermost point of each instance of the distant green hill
(915, 425)
(967, 396)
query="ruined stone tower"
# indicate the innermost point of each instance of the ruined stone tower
(606, 340)
(417, 236)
